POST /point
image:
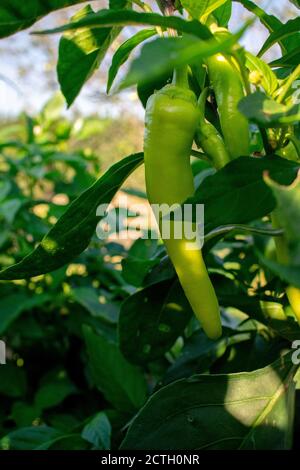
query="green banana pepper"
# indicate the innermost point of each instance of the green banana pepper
(171, 120)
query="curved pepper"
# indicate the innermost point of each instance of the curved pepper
(228, 88)
(171, 120)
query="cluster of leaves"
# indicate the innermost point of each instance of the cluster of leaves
(93, 343)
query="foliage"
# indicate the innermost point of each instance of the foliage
(102, 347)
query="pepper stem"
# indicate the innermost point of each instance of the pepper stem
(180, 77)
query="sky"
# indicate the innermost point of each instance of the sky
(27, 77)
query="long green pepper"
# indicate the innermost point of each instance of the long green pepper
(227, 84)
(172, 116)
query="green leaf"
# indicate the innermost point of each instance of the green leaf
(14, 305)
(291, 59)
(98, 431)
(262, 309)
(135, 269)
(81, 53)
(124, 51)
(12, 381)
(201, 8)
(200, 352)
(121, 383)
(73, 231)
(89, 299)
(151, 320)
(296, 3)
(5, 188)
(272, 23)
(53, 393)
(145, 90)
(240, 187)
(289, 274)
(223, 13)
(269, 21)
(9, 209)
(292, 27)
(16, 15)
(65, 442)
(140, 259)
(106, 18)
(170, 53)
(266, 112)
(28, 438)
(268, 78)
(253, 410)
(24, 414)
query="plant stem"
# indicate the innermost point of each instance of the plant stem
(143, 5)
(180, 76)
(268, 148)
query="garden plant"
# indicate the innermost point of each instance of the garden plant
(164, 343)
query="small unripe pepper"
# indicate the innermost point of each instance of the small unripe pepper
(227, 84)
(209, 139)
(171, 120)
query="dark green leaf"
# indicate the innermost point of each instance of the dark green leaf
(135, 269)
(292, 27)
(16, 15)
(53, 393)
(240, 187)
(89, 299)
(13, 381)
(290, 59)
(200, 352)
(13, 305)
(67, 442)
(151, 320)
(81, 53)
(28, 438)
(24, 414)
(223, 13)
(73, 231)
(253, 410)
(266, 112)
(98, 431)
(145, 90)
(123, 52)
(269, 21)
(289, 274)
(121, 383)
(107, 18)
(170, 53)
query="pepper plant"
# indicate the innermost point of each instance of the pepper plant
(202, 336)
